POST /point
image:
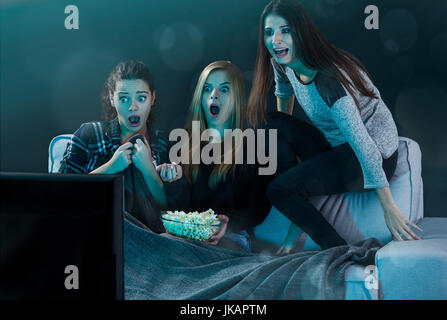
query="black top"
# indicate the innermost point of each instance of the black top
(244, 200)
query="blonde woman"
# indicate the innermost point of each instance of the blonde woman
(234, 191)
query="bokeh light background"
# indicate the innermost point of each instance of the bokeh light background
(51, 78)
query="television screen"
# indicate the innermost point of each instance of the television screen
(61, 236)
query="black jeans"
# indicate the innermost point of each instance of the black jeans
(323, 170)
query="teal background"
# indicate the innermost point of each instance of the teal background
(51, 78)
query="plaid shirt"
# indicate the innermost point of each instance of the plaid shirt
(94, 143)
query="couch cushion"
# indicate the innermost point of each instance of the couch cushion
(416, 269)
(358, 215)
(432, 228)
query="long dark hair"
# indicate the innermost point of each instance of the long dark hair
(312, 48)
(127, 70)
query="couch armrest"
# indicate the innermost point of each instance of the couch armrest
(56, 151)
(416, 269)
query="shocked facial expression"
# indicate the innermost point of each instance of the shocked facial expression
(278, 39)
(216, 97)
(133, 101)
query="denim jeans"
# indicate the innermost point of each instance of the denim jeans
(242, 238)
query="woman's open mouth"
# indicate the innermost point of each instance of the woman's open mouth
(281, 52)
(134, 121)
(214, 110)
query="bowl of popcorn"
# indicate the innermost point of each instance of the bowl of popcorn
(192, 225)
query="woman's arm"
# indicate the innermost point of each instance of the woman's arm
(253, 204)
(177, 188)
(77, 154)
(394, 219)
(283, 89)
(348, 119)
(142, 158)
(155, 185)
(104, 169)
(285, 104)
(119, 161)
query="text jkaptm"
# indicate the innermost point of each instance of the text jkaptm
(229, 309)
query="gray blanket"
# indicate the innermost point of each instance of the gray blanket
(165, 267)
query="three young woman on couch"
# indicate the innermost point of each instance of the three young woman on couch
(351, 146)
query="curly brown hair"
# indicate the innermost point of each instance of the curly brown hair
(127, 70)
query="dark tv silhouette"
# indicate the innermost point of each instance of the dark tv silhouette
(51, 221)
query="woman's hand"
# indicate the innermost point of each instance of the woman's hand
(170, 172)
(399, 225)
(215, 238)
(142, 156)
(120, 160)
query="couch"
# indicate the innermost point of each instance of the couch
(403, 269)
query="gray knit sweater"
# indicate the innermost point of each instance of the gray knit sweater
(372, 134)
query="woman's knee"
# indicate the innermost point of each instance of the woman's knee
(278, 189)
(295, 182)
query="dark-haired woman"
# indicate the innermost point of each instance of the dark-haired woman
(103, 147)
(352, 144)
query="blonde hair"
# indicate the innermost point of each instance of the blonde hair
(235, 115)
